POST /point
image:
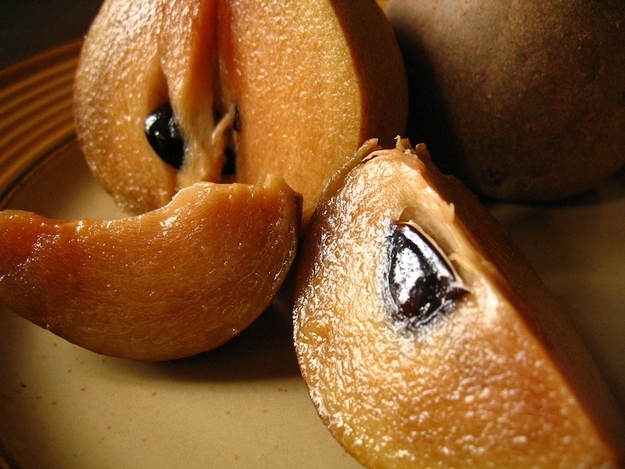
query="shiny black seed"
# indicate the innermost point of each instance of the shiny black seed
(230, 167)
(421, 282)
(163, 133)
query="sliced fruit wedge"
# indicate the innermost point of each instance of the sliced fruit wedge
(167, 284)
(426, 340)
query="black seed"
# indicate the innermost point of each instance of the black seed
(163, 133)
(421, 282)
(230, 167)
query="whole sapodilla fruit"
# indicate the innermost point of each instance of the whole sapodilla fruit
(523, 100)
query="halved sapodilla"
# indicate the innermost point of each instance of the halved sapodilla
(292, 88)
(174, 282)
(427, 341)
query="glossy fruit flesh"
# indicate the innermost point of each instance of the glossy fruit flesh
(171, 283)
(336, 78)
(498, 379)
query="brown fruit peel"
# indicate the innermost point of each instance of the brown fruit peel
(522, 101)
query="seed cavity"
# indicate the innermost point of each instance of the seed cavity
(237, 126)
(163, 133)
(421, 279)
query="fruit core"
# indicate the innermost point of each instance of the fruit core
(421, 280)
(163, 131)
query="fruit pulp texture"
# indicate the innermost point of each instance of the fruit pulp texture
(170, 283)
(499, 377)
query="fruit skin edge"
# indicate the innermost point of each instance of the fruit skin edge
(519, 284)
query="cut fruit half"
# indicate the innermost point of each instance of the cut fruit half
(426, 340)
(291, 88)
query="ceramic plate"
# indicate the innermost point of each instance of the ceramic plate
(244, 404)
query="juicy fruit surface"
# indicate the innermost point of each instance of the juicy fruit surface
(167, 284)
(495, 379)
(292, 87)
(521, 100)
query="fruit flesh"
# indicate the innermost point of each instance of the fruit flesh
(498, 379)
(300, 86)
(171, 283)
(521, 100)
(111, 74)
(309, 111)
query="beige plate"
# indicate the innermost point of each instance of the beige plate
(245, 404)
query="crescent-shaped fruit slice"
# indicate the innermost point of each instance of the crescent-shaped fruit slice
(167, 284)
(292, 88)
(427, 341)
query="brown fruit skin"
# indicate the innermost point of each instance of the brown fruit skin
(309, 81)
(171, 283)
(523, 101)
(500, 380)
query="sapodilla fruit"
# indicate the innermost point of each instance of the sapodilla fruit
(522, 100)
(291, 87)
(426, 340)
(170, 283)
